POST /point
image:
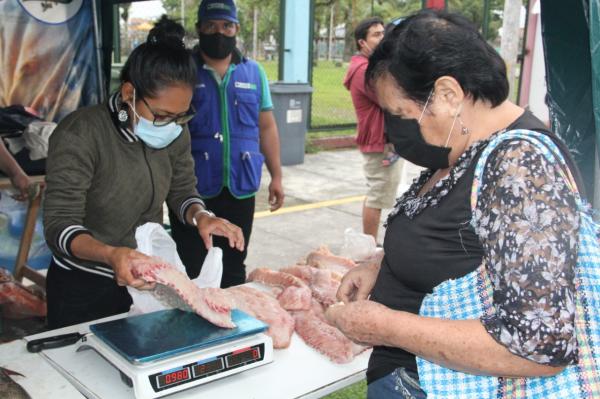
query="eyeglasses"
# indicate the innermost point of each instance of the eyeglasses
(226, 27)
(163, 120)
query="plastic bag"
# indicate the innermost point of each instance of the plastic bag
(358, 246)
(12, 224)
(153, 240)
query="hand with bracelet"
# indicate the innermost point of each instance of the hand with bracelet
(208, 224)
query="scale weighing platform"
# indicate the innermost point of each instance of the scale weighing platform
(169, 351)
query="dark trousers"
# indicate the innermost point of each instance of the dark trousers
(75, 297)
(192, 251)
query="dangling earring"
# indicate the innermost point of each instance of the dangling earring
(463, 129)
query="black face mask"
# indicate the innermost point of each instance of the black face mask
(408, 141)
(217, 45)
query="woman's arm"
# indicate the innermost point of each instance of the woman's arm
(528, 224)
(85, 246)
(13, 170)
(462, 345)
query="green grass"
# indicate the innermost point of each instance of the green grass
(319, 134)
(354, 391)
(331, 102)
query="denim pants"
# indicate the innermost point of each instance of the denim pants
(399, 384)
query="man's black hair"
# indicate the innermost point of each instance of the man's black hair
(162, 61)
(362, 29)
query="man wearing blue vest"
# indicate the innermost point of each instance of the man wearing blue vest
(233, 133)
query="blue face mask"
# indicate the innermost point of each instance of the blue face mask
(156, 137)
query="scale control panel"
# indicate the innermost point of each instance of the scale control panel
(206, 367)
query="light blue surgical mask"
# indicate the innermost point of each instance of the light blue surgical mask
(156, 137)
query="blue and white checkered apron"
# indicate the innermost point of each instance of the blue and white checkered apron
(470, 297)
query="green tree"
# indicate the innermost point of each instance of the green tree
(474, 11)
(350, 12)
(267, 18)
(190, 7)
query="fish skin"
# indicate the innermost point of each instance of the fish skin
(10, 389)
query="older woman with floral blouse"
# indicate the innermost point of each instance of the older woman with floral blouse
(445, 92)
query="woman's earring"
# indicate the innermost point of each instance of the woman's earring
(463, 129)
(123, 116)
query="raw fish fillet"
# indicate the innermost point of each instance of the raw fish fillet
(326, 339)
(295, 298)
(18, 301)
(265, 308)
(322, 258)
(323, 283)
(213, 304)
(276, 278)
(313, 328)
(296, 294)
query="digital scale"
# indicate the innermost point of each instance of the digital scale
(164, 352)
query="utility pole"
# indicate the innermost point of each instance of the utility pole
(183, 13)
(486, 19)
(255, 33)
(331, 33)
(509, 46)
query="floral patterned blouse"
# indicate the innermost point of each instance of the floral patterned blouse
(528, 227)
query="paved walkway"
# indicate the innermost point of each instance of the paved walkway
(324, 196)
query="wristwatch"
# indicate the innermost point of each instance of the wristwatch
(206, 211)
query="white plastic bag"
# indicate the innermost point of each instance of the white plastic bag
(358, 246)
(212, 269)
(153, 240)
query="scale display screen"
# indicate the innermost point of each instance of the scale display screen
(173, 377)
(243, 356)
(207, 367)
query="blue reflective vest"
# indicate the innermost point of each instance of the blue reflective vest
(225, 133)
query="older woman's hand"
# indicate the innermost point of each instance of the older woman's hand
(361, 321)
(209, 224)
(358, 283)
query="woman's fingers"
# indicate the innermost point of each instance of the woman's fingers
(346, 292)
(221, 227)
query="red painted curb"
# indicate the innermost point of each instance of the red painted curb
(332, 143)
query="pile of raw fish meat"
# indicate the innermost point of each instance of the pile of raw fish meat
(291, 299)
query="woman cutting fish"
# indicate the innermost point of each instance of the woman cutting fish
(110, 169)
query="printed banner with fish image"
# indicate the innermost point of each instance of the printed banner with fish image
(48, 58)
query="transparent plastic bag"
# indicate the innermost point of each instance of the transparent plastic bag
(358, 246)
(12, 224)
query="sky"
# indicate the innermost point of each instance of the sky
(146, 9)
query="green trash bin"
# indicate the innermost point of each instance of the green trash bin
(290, 108)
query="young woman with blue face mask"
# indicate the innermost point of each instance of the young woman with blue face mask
(111, 167)
(511, 250)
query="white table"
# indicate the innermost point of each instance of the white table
(40, 379)
(296, 372)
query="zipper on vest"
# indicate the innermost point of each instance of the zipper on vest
(224, 138)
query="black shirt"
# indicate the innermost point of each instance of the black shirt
(427, 246)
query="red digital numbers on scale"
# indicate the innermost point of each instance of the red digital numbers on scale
(255, 353)
(174, 377)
